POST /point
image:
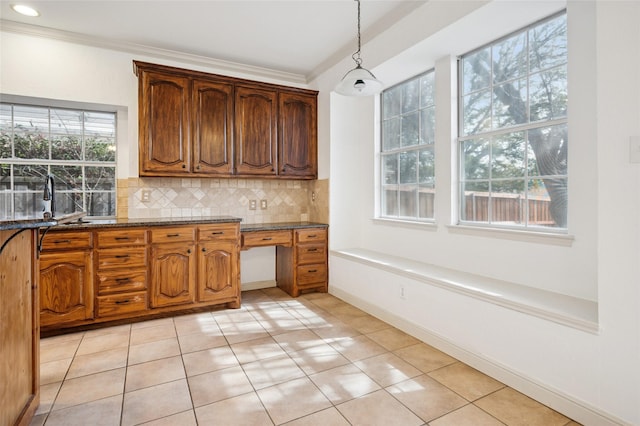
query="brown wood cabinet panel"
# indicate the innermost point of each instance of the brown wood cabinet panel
(266, 238)
(311, 274)
(311, 253)
(119, 281)
(121, 304)
(229, 231)
(121, 237)
(298, 138)
(218, 268)
(127, 257)
(168, 234)
(66, 240)
(310, 235)
(19, 331)
(213, 127)
(66, 287)
(255, 131)
(173, 272)
(164, 116)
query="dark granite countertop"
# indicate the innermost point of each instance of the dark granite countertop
(156, 221)
(38, 222)
(274, 226)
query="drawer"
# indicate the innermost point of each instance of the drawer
(218, 232)
(122, 281)
(131, 257)
(67, 240)
(266, 238)
(121, 304)
(173, 234)
(311, 253)
(310, 235)
(310, 274)
(121, 237)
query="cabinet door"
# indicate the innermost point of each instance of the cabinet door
(255, 131)
(212, 129)
(173, 271)
(66, 287)
(164, 124)
(218, 271)
(298, 139)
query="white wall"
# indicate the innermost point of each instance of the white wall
(593, 377)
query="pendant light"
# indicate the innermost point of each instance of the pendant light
(359, 81)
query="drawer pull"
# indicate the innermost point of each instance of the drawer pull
(217, 233)
(267, 239)
(173, 235)
(312, 250)
(123, 280)
(61, 241)
(121, 238)
(121, 256)
(312, 236)
(122, 302)
(311, 271)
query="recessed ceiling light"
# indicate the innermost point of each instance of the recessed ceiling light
(25, 10)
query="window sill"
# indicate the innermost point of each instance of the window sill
(430, 226)
(550, 238)
(571, 311)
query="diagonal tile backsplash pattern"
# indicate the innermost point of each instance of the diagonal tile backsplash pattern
(289, 200)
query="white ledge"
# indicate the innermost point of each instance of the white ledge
(567, 310)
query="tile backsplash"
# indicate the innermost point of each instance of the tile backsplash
(287, 200)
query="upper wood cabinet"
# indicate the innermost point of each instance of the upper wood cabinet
(198, 124)
(164, 116)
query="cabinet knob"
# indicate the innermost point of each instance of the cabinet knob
(184, 166)
(188, 251)
(204, 249)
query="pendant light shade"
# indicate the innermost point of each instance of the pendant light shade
(359, 81)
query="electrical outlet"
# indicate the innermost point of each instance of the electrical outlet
(252, 204)
(263, 204)
(146, 195)
(403, 293)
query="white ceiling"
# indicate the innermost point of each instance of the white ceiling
(299, 37)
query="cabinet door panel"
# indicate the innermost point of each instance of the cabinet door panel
(173, 270)
(217, 271)
(164, 124)
(255, 131)
(298, 135)
(212, 136)
(66, 287)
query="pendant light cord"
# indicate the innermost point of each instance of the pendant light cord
(356, 55)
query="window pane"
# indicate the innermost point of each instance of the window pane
(391, 102)
(101, 203)
(389, 201)
(6, 129)
(507, 202)
(391, 134)
(31, 145)
(99, 125)
(410, 95)
(426, 167)
(546, 206)
(29, 177)
(408, 162)
(99, 178)
(510, 58)
(66, 122)
(427, 90)
(477, 112)
(426, 202)
(67, 177)
(510, 103)
(475, 159)
(476, 71)
(548, 94)
(66, 147)
(410, 129)
(549, 148)
(28, 204)
(548, 44)
(100, 149)
(475, 201)
(390, 169)
(428, 125)
(68, 202)
(508, 156)
(408, 207)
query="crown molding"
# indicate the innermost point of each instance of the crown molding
(139, 49)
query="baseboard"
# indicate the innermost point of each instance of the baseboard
(257, 285)
(575, 409)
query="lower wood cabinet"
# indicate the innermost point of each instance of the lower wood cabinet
(218, 272)
(304, 266)
(173, 274)
(66, 278)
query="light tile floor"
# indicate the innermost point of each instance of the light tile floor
(314, 360)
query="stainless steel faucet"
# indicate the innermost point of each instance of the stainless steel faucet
(49, 198)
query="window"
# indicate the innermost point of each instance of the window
(407, 157)
(77, 147)
(513, 129)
